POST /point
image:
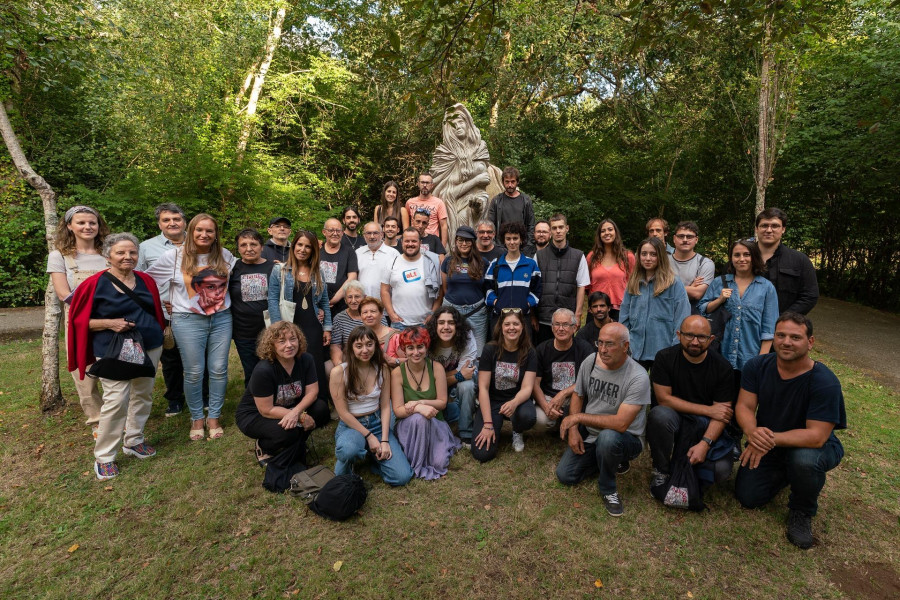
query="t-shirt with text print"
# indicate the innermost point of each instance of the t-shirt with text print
(604, 391)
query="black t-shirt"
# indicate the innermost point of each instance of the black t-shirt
(506, 376)
(432, 243)
(558, 368)
(248, 287)
(270, 379)
(704, 383)
(492, 254)
(786, 404)
(589, 333)
(334, 268)
(353, 242)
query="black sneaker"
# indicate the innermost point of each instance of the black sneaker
(623, 467)
(799, 529)
(175, 408)
(657, 478)
(613, 505)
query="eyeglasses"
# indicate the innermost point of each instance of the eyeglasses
(685, 236)
(371, 232)
(332, 231)
(510, 311)
(693, 336)
(561, 325)
(486, 232)
(608, 345)
(768, 226)
(463, 240)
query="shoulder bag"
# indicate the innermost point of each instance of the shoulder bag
(286, 306)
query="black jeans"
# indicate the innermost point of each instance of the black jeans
(663, 425)
(523, 419)
(272, 437)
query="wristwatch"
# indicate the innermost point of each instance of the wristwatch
(708, 441)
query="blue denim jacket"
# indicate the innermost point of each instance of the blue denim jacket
(752, 320)
(320, 298)
(653, 320)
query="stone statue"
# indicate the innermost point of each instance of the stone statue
(463, 176)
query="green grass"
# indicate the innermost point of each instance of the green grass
(194, 522)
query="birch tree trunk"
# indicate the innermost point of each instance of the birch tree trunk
(51, 398)
(271, 44)
(766, 118)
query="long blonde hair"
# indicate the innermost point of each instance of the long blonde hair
(214, 261)
(663, 276)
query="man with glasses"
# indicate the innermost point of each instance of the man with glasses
(337, 263)
(606, 417)
(695, 393)
(485, 241)
(432, 206)
(790, 271)
(541, 235)
(373, 259)
(695, 270)
(279, 244)
(558, 362)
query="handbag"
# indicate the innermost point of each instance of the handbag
(286, 306)
(682, 488)
(307, 484)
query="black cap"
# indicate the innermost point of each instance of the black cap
(465, 232)
(280, 219)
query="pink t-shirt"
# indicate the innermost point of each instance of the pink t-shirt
(436, 209)
(611, 280)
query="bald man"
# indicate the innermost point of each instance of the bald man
(606, 416)
(695, 393)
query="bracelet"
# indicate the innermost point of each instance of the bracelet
(385, 442)
(370, 433)
(491, 428)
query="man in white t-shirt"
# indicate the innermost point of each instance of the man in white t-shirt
(695, 270)
(410, 287)
(373, 259)
(432, 205)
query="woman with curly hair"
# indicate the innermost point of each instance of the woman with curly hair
(197, 274)
(453, 345)
(655, 303)
(79, 239)
(610, 264)
(362, 399)
(419, 394)
(280, 407)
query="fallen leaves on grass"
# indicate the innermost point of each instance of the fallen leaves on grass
(337, 566)
(73, 548)
(598, 583)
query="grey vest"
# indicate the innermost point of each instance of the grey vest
(559, 272)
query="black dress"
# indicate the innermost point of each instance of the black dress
(307, 320)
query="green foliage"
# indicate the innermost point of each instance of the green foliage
(23, 249)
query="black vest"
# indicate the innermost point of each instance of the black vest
(559, 272)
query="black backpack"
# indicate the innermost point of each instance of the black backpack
(340, 498)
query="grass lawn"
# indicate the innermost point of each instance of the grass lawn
(194, 522)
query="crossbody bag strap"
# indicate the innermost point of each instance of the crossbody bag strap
(130, 293)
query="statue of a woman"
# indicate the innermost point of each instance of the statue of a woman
(463, 175)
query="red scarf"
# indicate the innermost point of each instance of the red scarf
(80, 348)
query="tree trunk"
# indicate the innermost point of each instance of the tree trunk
(271, 43)
(765, 120)
(51, 398)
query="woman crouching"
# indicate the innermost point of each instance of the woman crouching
(280, 406)
(419, 392)
(362, 400)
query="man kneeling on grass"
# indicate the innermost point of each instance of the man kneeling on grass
(789, 406)
(607, 416)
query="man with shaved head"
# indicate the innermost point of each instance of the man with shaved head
(606, 416)
(695, 391)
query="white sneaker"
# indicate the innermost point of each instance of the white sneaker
(518, 442)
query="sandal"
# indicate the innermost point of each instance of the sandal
(215, 432)
(197, 434)
(261, 457)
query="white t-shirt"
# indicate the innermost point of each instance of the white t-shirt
(184, 298)
(408, 293)
(86, 263)
(583, 277)
(372, 266)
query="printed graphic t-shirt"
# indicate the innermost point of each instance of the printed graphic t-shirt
(506, 375)
(249, 291)
(270, 379)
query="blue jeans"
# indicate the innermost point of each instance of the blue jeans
(461, 407)
(246, 350)
(204, 341)
(602, 457)
(477, 320)
(802, 468)
(350, 446)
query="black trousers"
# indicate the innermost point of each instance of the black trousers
(273, 438)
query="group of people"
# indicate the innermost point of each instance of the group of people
(424, 345)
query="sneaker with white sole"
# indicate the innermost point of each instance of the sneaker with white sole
(105, 471)
(518, 442)
(141, 451)
(613, 504)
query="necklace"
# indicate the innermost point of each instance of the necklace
(418, 381)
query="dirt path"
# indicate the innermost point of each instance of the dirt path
(863, 337)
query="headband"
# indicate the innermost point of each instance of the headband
(70, 214)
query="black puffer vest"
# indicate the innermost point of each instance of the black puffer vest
(559, 270)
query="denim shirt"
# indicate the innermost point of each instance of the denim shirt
(752, 320)
(653, 320)
(320, 298)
